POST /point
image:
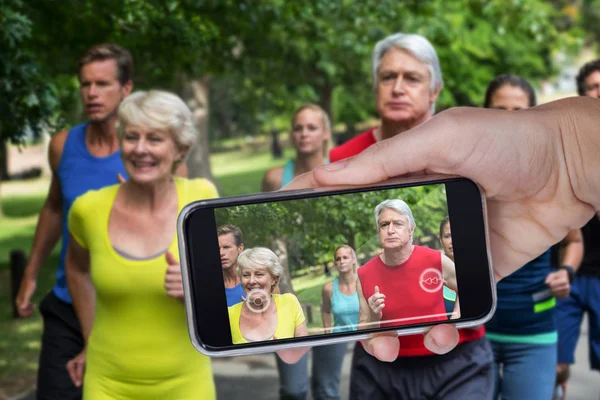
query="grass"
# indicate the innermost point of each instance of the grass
(235, 173)
(241, 172)
(20, 339)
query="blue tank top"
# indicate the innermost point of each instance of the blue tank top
(345, 309)
(234, 294)
(525, 304)
(78, 172)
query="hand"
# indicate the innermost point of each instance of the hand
(534, 166)
(23, 301)
(558, 282)
(173, 282)
(376, 304)
(76, 368)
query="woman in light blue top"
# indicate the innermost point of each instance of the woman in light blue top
(310, 136)
(339, 297)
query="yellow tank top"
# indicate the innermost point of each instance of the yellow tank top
(289, 317)
(139, 346)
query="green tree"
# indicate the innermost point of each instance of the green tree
(27, 100)
(307, 231)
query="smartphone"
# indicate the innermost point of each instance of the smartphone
(289, 269)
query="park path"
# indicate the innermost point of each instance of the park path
(255, 377)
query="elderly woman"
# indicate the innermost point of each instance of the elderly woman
(121, 267)
(264, 315)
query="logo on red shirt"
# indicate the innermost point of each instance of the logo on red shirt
(431, 280)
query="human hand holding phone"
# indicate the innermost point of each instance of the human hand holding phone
(535, 167)
(307, 222)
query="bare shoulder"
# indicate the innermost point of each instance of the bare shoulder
(328, 288)
(272, 179)
(55, 149)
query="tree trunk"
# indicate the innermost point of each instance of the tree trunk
(3, 170)
(285, 282)
(325, 100)
(195, 94)
(3, 161)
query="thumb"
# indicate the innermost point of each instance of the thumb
(170, 258)
(376, 289)
(120, 178)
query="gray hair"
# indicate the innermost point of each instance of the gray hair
(419, 47)
(260, 257)
(159, 110)
(396, 205)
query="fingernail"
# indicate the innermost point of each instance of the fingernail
(336, 166)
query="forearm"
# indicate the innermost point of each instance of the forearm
(573, 255)
(47, 234)
(456, 311)
(83, 294)
(326, 317)
(368, 321)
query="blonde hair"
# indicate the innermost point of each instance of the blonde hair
(159, 110)
(327, 143)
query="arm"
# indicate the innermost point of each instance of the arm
(573, 252)
(559, 281)
(80, 286)
(83, 294)
(326, 313)
(449, 276)
(369, 311)
(47, 231)
(272, 179)
(449, 273)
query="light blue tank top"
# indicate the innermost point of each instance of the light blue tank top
(344, 308)
(288, 172)
(78, 172)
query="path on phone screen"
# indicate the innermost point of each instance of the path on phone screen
(255, 377)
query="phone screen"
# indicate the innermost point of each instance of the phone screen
(338, 263)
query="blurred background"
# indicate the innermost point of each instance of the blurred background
(243, 67)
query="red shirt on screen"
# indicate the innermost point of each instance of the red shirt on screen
(411, 345)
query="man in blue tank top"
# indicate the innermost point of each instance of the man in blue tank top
(231, 244)
(83, 158)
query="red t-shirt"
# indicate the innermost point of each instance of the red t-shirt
(414, 293)
(353, 146)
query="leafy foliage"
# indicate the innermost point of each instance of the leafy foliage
(27, 100)
(313, 228)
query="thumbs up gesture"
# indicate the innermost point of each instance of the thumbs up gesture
(376, 304)
(173, 282)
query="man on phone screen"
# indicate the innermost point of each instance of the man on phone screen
(407, 81)
(231, 244)
(403, 285)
